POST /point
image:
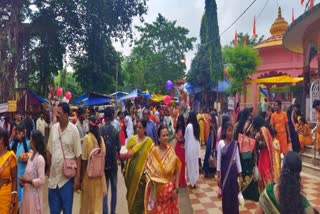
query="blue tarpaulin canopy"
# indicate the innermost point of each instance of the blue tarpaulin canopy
(92, 98)
(264, 91)
(118, 94)
(135, 93)
(194, 89)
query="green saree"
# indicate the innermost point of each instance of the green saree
(270, 205)
(134, 177)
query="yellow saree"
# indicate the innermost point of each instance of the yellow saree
(134, 178)
(7, 162)
(160, 194)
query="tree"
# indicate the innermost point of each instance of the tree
(208, 61)
(213, 41)
(68, 82)
(241, 62)
(250, 41)
(160, 52)
(102, 21)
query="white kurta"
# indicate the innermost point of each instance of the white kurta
(192, 151)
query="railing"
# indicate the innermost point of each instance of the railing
(314, 133)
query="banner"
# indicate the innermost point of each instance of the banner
(12, 105)
(3, 107)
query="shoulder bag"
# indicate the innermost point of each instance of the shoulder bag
(69, 168)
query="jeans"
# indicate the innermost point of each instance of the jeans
(61, 198)
(113, 179)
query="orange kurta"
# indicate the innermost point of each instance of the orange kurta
(305, 137)
(279, 122)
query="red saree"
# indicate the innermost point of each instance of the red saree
(265, 163)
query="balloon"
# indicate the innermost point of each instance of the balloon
(169, 85)
(167, 99)
(59, 91)
(132, 98)
(68, 95)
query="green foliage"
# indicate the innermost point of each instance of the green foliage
(213, 41)
(68, 82)
(208, 61)
(158, 55)
(79, 30)
(251, 41)
(103, 20)
(241, 62)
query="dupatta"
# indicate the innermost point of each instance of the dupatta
(135, 166)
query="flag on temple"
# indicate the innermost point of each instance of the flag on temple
(292, 14)
(235, 41)
(311, 4)
(245, 41)
(302, 1)
(254, 27)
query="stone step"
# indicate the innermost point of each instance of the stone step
(308, 149)
(313, 169)
(308, 157)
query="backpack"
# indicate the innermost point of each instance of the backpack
(96, 161)
(108, 132)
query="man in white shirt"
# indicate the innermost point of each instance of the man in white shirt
(41, 124)
(61, 188)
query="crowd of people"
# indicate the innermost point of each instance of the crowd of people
(158, 149)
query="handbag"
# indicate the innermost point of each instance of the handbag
(69, 167)
(246, 145)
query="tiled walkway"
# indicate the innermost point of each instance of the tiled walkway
(204, 198)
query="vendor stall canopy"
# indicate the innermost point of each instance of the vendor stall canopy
(92, 98)
(220, 87)
(277, 79)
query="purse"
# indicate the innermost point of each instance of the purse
(69, 167)
(246, 145)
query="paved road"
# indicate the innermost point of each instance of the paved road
(122, 207)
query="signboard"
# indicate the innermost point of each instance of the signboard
(231, 103)
(314, 94)
(12, 105)
(3, 107)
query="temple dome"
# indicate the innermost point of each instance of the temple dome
(280, 25)
(277, 30)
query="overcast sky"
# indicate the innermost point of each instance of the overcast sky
(188, 14)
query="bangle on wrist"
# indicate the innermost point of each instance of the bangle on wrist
(14, 192)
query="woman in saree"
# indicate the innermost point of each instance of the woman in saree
(304, 132)
(179, 149)
(201, 122)
(248, 159)
(210, 148)
(138, 146)
(264, 143)
(8, 176)
(93, 189)
(228, 171)
(285, 196)
(163, 170)
(33, 179)
(122, 133)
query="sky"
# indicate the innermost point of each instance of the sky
(188, 14)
